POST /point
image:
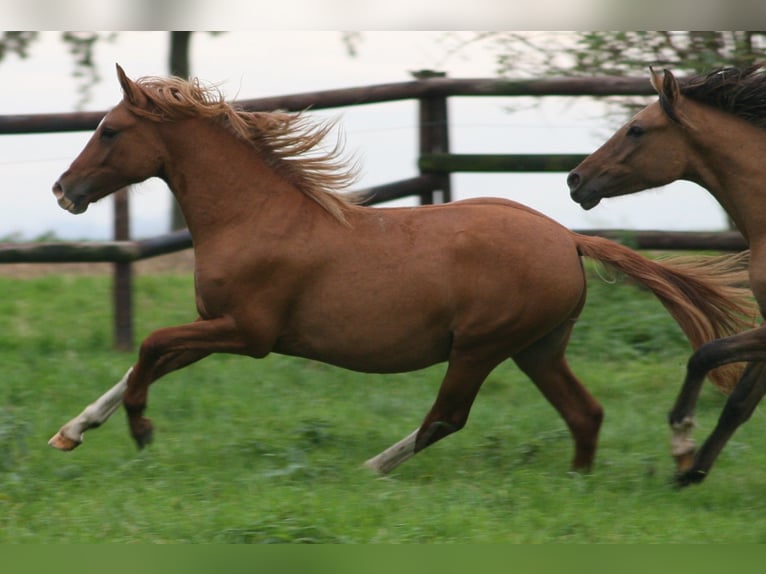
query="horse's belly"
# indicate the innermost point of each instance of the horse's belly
(371, 346)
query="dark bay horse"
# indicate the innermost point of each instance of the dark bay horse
(285, 264)
(708, 129)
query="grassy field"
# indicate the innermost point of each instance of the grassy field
(263, 451)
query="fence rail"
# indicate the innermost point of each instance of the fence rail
(428, 87)
(435, 164)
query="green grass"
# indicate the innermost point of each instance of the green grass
(264, 451)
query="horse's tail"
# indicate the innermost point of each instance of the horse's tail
(706, 295)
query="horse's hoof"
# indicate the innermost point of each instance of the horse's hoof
(143, 432)
(684, 462)
(690, 477)
(144, 439)
(63, 442)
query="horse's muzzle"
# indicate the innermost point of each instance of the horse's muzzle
(588, 199)
(65, 202)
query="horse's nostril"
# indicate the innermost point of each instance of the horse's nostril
(58, 191)
(573, 181)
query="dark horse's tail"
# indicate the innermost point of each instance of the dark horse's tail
(706, 295)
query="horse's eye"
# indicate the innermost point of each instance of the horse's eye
(635, 131)
(108, 133)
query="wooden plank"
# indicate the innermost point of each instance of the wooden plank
(440, 163)
(593, 86)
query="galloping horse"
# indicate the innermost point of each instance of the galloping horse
(710, 130)
(285, 264)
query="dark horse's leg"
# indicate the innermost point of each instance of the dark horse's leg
(169, 349)
(747, 346)
(738, 409)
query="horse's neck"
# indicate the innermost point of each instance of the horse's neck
(730, 163)
(220, 183)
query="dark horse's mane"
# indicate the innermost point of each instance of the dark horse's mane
(289, 142)
(739, 91)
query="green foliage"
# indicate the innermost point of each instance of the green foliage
(12, 42)
(622, 52)
(686, 52)
(270, 451)
(530, 54)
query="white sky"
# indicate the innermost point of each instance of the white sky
(250, 64)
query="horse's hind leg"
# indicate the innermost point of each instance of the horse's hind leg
(449, 413)
(544, 362)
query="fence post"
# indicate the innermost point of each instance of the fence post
(434, 137)
(122, 282)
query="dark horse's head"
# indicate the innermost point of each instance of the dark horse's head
(124, 149)
(658, 144)
(646, 152)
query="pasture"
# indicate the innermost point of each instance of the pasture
(265, 451)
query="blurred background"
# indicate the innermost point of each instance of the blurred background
(53, 71)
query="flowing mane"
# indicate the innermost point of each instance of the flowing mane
(289, 142)
(739, 91)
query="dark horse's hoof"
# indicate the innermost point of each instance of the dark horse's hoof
(693, 476)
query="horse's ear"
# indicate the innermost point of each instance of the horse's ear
(132, 93)
(654, 78)
(670, 86)
(668, 90)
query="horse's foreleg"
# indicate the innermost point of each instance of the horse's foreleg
(169, 349)
(738, 409)
(747, 346)
(70, 436)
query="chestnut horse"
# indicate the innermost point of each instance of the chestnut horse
(285, 264)
(708, 129)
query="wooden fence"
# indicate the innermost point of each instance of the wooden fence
(432, 185)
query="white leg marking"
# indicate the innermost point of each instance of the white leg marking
(394, 455)
(681, 443)
(95, 414)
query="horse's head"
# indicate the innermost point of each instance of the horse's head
(648, 151)
(124, 149)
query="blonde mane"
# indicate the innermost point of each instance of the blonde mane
(288, 142)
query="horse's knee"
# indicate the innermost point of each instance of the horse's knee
(699, 360)
(707, 357)
(737, 411)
